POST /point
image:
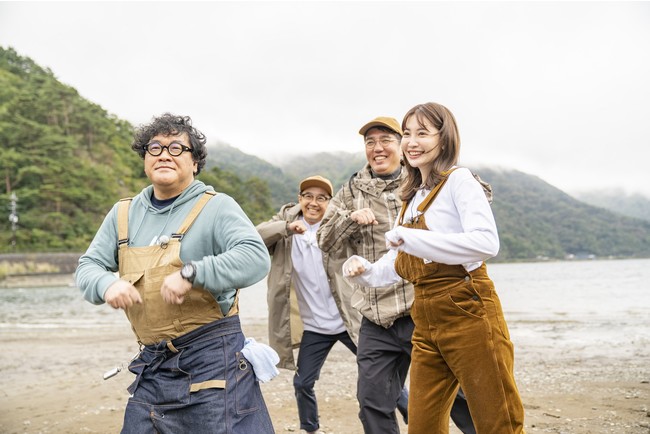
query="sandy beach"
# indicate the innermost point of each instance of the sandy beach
(52, 382)
(581, 334)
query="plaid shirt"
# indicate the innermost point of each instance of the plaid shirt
(338, 233)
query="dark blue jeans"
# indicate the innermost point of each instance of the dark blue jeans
(314, 348)
(383, 359)
(199, 384)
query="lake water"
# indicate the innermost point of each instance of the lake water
(603, 305)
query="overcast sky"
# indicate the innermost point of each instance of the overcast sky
(556, 89)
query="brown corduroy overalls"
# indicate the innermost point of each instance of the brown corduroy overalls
(461, 337)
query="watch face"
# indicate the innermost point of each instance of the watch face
(187, 272)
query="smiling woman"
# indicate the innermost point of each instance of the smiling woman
(440, 243)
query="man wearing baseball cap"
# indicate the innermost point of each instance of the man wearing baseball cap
(357, 218)
(307, 295)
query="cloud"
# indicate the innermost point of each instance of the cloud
(555, 89)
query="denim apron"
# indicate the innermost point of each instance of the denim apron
(460, 337)
(190, 374)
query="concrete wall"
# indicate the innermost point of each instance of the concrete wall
(64, 262)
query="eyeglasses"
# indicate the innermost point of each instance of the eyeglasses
(370, 144)
(321, 198)
(174, 149)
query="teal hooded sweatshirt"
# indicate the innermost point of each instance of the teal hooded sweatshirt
(222, 243)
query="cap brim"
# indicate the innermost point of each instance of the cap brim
(374, 124)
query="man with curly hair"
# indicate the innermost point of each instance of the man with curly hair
(181, 250)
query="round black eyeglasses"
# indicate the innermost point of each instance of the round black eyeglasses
(174, 149)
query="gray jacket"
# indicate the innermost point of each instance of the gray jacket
(340, 235)
(285, 325)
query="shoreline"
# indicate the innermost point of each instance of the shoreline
(37, 280)
(580, 333)
(52, 383)
(66, 263)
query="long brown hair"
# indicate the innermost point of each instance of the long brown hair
(449, 141)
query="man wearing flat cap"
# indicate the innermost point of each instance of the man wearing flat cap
(357, 218)
(308, 298)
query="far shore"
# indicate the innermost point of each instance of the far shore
(65, 265)
(38, 280)
(30, 270)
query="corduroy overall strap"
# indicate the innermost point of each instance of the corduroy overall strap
(413, 268)
(427, 200)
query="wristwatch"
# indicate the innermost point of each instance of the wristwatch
(188, 272)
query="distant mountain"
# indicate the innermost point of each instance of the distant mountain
(229, 158)
(338, 167)
(631, 205)
(536, 220)
(68, 160)
(283, 181)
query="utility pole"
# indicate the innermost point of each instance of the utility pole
(13, 218)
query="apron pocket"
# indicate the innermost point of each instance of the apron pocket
(247, 392)
(160, 381)
(132, 278)
(157, 311)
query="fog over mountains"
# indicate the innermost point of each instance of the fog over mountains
(67, 161)
(535, 219)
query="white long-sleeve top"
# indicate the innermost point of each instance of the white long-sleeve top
(461, 231)
(318, 309)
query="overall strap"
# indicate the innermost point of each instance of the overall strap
(123, 220)
(402, 211)
(427, 200)
(193, 214)
(432, 195)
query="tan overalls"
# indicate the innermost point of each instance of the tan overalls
(461, 337)
(146, 268)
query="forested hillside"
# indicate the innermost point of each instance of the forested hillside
(226, 157)
(631, 205)
(536, 220)
(283, 181)
(338, 168)
(67, 161)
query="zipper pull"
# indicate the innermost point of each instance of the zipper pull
(112, 373)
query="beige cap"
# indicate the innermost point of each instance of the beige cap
(317, 181)
(382, 121)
